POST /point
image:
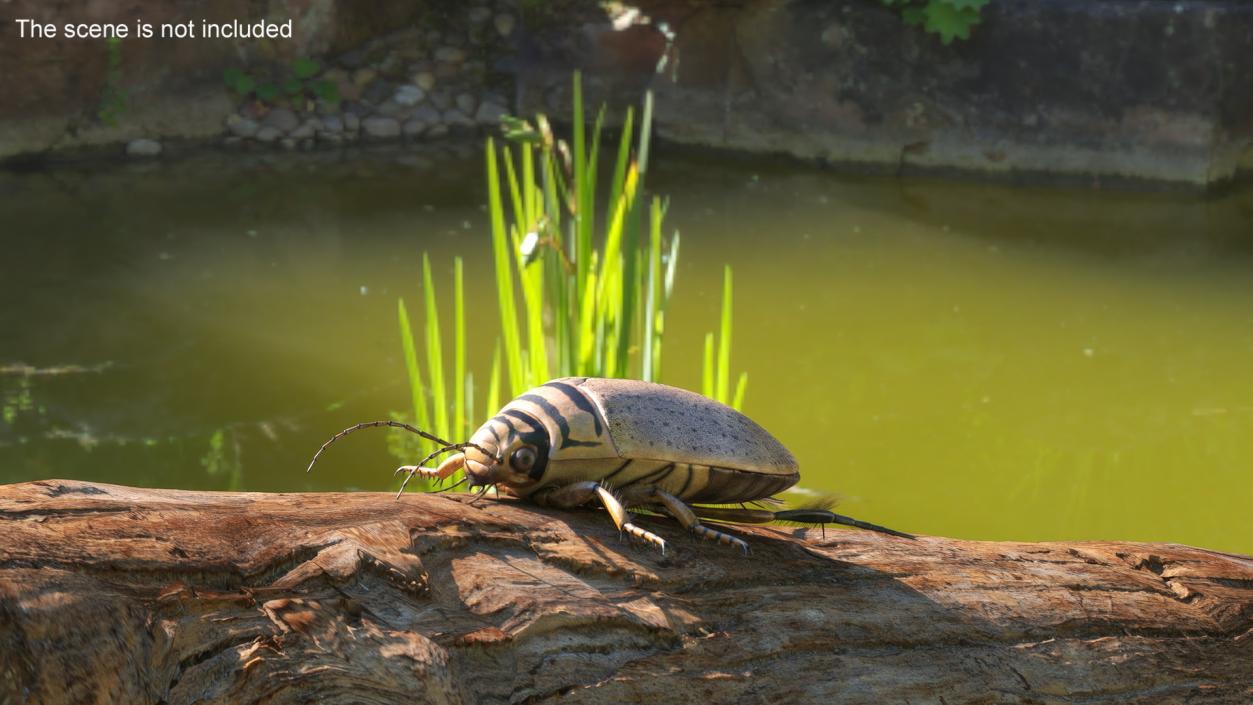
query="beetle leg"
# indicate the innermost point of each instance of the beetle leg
(824, 516)
(568, 497)
(622, 518)
(412, 470)
(685, 516)
(579, 493)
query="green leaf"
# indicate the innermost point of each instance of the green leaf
(948, 21)
(417, 389)
(914, 15)
(293, 87)
(238, 81)
(267, 92)
(460, 423)
(504, 276)
(326, 90)
(305, 68)
(741, 388)
(434, 352)
(724, 342)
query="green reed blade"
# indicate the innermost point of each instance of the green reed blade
(434, 353)
(461, 423)
(587, 327)
(417, 389)
(532, 277)
(652, 299)
(646, 131)
(724, 341)
(741, 388)
(667, 289)
(622, 162)
(631, 286)
(530, 194)
(515, 195)
(504, 275)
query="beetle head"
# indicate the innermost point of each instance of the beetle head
(520, 451)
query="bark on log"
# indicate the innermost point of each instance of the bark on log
(112, 594)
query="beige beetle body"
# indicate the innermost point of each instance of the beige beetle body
(627, 433)
(622, 444)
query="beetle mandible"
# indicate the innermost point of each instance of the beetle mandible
(622, 443)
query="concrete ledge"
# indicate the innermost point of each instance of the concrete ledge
(1084, 89)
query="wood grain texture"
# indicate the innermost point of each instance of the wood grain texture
(111, 594)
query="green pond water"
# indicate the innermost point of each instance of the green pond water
(963, 359)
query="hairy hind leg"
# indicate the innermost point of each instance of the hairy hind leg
(683, 514)
(579, 493)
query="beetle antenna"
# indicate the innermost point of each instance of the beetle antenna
(453, 486)
(375, 424)
(444, 445)
(479, 495)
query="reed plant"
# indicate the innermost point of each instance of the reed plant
(584, 278)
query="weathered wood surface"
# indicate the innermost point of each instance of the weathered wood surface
(117, 595)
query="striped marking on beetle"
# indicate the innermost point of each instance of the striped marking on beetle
(563, 424)
(580, 401)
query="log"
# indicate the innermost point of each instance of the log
(113, 594)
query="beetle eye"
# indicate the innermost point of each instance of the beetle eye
(523, 459)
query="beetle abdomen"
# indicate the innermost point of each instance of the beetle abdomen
(659, 422)
(692, 482)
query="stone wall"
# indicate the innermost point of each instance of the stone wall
(51, 90)
(1078, 89)
(1088, 90)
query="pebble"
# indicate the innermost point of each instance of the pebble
(504, 24)
(356, 57)
(241, 126)
(282, 119)
(456, 118)
(307, 129)
(377, 92)
(489, 113)
(437, 131)
(479, 15)
(143, 147)
(381, 127)
(268, 133)
(288, 143)
(336, 76)
(333, 124)
(426, 114)
(441, 100)
(352, 122)
(391, 108)
(424, 80)
(413, 127)
(451, 55)
(409, 95)
(364, 76)
(467, 102)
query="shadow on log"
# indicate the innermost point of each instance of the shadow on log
(111, 594)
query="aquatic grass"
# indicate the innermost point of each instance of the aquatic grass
(593, 293)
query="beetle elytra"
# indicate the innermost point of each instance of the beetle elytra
(626, 444)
